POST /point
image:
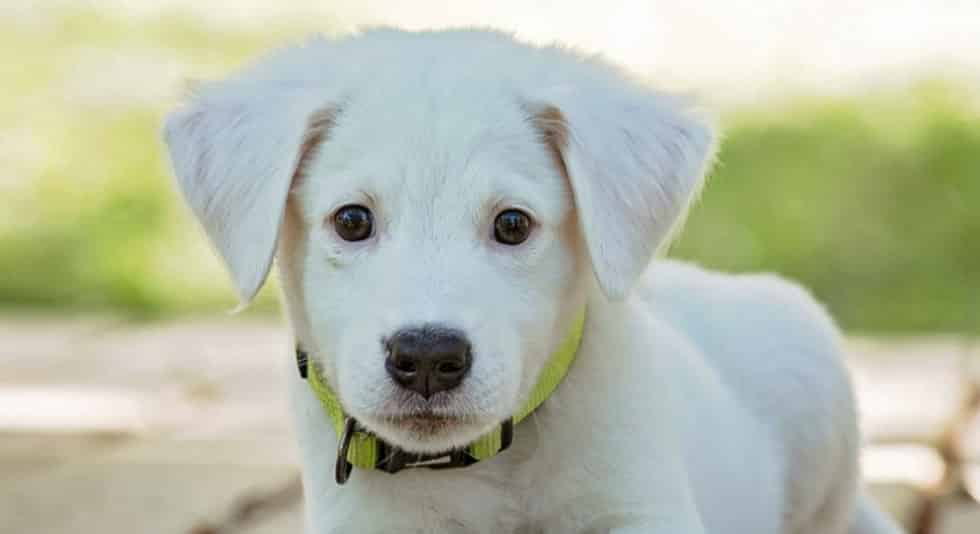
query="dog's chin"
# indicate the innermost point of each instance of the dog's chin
(428, 432)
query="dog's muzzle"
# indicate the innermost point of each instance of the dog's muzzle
(358, 447)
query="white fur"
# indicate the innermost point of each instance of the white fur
(699, 402)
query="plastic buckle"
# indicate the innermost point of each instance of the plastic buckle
(343, 468)
(302, 363)
(394, 460)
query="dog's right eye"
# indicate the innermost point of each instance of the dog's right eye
(512, 227)
(353, 222)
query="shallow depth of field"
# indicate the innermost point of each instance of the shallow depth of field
(869, 197)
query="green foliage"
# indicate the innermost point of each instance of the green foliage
(870, 201)
(89, 220)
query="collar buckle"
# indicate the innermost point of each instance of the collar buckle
(392, 460)
(343, 468)
(302, 363)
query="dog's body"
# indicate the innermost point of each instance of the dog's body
(715, 438)
(495, 200)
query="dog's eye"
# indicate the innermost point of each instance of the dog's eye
(512, 227)
(353, 222)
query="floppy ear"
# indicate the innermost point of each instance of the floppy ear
(634, 159)
(235, 153)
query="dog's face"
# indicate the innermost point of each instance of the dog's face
(438, 225)
(439, 250)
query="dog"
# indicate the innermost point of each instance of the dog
(465, 228)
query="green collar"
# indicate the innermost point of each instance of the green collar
(357, 447)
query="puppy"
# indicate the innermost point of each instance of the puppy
(465, 228)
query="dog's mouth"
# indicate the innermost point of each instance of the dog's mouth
(425, 430)
(432, 425)
(423, 423)
(430, 416)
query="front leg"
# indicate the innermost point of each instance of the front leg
(660, 502)
(648, 529)
(690, 526)
(674, 522)
(629, 472)
(682, 520)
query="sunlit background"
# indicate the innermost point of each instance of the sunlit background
(851, 163)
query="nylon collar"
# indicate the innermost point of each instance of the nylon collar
(359, 448)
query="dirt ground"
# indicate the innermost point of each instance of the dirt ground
(181, 428)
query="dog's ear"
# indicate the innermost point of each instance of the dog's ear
(236, 153)
(634, 159)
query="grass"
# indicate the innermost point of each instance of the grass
(870, 201)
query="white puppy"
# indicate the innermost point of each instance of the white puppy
(446, 207)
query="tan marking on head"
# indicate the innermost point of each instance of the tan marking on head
(551, 124)
(317, 128)
(553, 130)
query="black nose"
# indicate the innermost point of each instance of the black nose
(429, 359)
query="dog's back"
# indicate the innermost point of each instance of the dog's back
(779, 353)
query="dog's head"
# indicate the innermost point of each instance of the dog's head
(441, 204)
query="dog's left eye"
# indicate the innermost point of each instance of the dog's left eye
(512, 227)
(353, 222)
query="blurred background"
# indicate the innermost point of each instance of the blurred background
(130, 400)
